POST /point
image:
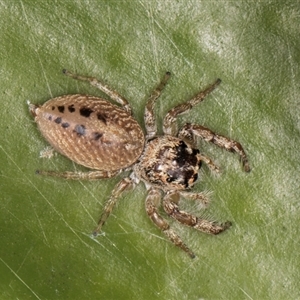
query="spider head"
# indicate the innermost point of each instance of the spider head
(170, 163)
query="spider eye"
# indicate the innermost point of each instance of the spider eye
(170, 179)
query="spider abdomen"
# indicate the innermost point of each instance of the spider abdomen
(90, 131)
(169, 163)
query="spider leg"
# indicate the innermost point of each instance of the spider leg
(169, 124)
(200, 197)
(149, 116)
(209, 163)
(152, 202)
(103, 87)
(219, 140)
(172, 209)
(123, 185)
(92, 175)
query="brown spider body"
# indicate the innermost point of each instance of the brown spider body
(106, 138)
(169, 163)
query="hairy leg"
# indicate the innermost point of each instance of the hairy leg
(123, 185)
(219, 140)
(149, 116)
(169, 124)
(103, 87)
(91, 175)
(152, 202)
(172, 209)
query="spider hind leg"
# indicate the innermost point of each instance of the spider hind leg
(152, 202)
(171, 207)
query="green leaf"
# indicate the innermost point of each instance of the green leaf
(45, 224)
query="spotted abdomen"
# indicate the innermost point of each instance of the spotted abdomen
(90, 131)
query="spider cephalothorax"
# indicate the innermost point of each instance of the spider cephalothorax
(101, 136)
(169, 163)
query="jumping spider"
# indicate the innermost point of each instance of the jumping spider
(101, 136)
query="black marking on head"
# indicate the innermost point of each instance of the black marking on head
(53, 107)
(196, 151)
(175, 174)
(61, 108)
(170, 179)
(50, 118)
(85, 111)
(65, 125)
(80, 130)
(195, 177)
(200, 163)
(71, 108)
(184, 165)
(58, 120)
(184, 155)
(188, 175)
(97, 135)
(102, 117)
(177, 165)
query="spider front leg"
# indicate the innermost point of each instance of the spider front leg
(170, 124)
(152, 202)
(170, 204)
(221, 141)
(123, 185)
(149, 116)
(201, 198)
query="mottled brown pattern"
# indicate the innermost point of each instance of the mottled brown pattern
(106, 138)
(169, 163)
